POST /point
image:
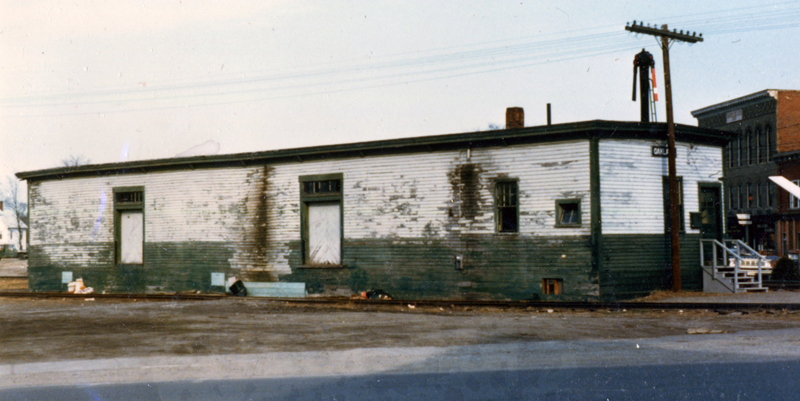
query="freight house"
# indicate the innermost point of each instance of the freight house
(568, 211)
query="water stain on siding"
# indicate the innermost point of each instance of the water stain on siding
(257, 235)
(466, 187)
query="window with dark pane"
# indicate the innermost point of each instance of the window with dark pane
(507, 201)
(771, 194)
(568, 212)
(742, 196)
(323, 187)
(741, 146)
(768, 140)
(131, 197)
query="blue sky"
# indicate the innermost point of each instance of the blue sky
(150, 79)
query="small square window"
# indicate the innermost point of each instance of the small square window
(568, 213)
(552, 286)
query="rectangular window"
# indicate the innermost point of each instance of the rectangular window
(731, 116)
(507, 203)
(742, 150)
(770, 194)
(129, 225)
(767, 146)
(729, 148)
(750, 201)
(321, 220)
(742, 196)
(552, 286)
(667, 220)
(733, 197)
(794, 202)
(568, 213)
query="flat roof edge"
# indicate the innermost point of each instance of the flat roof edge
(550, 133)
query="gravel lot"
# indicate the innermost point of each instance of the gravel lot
(38, 330)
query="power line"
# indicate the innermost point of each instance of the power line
(427, 65)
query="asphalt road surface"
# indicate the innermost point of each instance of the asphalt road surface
(700, 381)
(749, 365)
(233, 349)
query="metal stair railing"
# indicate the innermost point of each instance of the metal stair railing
(737, 256)
(753, 254)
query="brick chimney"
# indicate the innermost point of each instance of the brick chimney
(515, 117)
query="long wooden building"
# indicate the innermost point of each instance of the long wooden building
(567, 211)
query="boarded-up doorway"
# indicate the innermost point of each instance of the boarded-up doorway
(131, 237)
(324, 234)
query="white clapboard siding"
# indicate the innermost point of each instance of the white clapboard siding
(410, 196)
(631, 192)
(215, 205)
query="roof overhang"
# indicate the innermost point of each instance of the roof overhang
(505, 137)
(734, 103)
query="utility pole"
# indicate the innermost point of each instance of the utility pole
(666, 36)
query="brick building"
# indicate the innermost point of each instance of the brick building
(765, 123)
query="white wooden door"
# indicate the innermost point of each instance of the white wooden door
(131, 237)
(324, 234)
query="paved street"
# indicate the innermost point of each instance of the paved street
(746, 366)
(255, 349)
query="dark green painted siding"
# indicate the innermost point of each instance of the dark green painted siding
(635, 265)
(168, 267)
(495, 267)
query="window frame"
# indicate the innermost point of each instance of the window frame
(325, 197)
(498, 215)
(559, 212)
(794, 202)
(770, 194)
(119, 208)
(768, 145)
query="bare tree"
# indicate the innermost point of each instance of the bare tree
(17, 207)
(75, 161)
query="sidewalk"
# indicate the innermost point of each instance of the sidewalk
(770, 297)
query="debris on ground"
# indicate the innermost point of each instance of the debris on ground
(373, 294)
(701, 330)
(77, 287)
(237, 288)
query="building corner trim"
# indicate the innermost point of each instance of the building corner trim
(596, 222)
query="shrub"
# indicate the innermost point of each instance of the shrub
(785, 270)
